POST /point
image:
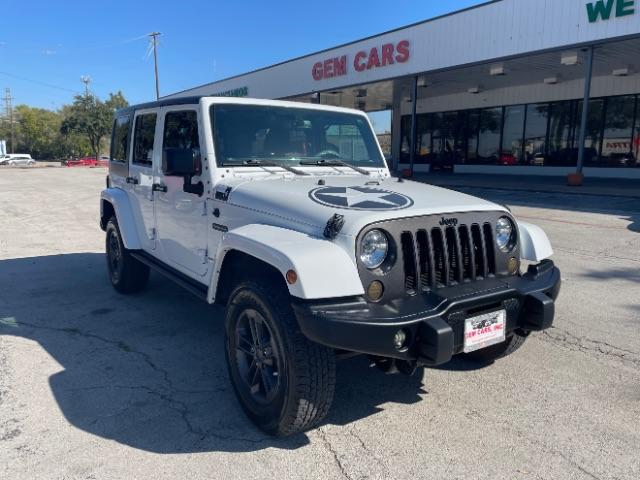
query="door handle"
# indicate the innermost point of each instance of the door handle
(159, 187)
(132, 180)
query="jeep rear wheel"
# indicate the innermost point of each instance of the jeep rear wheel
(494, 352)
(284, 382)
(127, 274)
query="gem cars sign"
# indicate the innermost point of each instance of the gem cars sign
(375, 57)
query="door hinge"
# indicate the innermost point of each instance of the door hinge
(152, 234)
(204, 253)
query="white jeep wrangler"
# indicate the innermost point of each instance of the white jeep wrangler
(287, 214)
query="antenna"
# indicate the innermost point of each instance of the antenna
(9, 107)
(86, 79)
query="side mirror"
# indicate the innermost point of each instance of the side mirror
(183, 162)
(180, 162)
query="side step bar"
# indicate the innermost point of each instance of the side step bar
(193, 286)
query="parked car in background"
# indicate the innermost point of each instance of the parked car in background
(18, 159)
(87, 162)
(619, 160)
(537, 160)
(508, 158)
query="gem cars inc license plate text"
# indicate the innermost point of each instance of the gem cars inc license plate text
(484, 330)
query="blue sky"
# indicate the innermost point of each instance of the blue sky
(45, 46)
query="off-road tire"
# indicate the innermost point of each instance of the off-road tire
(127, 275)
(306, 372)
(494, 352)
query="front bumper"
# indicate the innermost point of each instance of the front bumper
(434, 321)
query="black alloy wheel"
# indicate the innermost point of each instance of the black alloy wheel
(257, 356)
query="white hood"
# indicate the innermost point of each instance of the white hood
(306, 204)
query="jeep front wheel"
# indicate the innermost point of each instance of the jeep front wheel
(284, 382)
(127, 274)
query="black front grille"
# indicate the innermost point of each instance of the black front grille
(444, 257)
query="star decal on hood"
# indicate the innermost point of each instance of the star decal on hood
(360, 198)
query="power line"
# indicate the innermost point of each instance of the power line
(38, 82)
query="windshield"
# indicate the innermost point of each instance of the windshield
(246, 133)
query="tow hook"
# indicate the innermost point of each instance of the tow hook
(392, 366)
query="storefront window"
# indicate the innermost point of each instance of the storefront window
(448, 138)
(618, 128)
(594, 129)
(423, 138)
(535, 135)
(635, 143)
(512, 133)
(473, 124)
(561, 127)
(489, 136)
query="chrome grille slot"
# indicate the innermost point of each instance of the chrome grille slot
(454, 257)
(489, 243)
(439, 258)
(467, 253)
(409, 262)
(480, 256)
(425, 260)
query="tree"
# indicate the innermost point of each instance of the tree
(38, 131)
(90, 117)
(116, 101)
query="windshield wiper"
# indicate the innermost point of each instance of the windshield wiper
(335, 163)
(268, 163)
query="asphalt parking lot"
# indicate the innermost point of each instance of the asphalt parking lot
(95, 385)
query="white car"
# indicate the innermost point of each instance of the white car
(18, 159)
(287, 214)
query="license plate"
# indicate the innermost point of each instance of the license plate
(484, 330)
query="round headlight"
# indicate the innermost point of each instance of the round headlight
(505, 234)
(374, 247)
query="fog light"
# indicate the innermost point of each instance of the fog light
(375, 290)
(399, 339)
(513, 265)
(292, 277)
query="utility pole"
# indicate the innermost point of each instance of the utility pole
(154, 43)
(86, 79)
(9, 108)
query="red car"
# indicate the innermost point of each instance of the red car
(88, 162)
(508, 159)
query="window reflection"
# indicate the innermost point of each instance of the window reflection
(561, 129)
(511, 152)
(544, 134)
(594, 128)
(535, 135)
(489, 135)
(617, 148)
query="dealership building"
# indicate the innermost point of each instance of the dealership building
(496, 88)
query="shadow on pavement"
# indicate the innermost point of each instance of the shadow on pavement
(625, 207)
(148, 370)
(629, 274)
(634, 226)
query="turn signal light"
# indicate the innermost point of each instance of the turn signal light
(375, 290)
(292, 277)
(513, 265)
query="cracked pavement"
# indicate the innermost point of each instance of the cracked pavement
(95, 385)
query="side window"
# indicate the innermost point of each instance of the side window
(143, 136)
(181, 130)
(120, 139)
